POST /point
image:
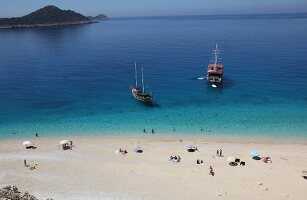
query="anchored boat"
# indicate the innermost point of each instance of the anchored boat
(215, 69)
(138, 92)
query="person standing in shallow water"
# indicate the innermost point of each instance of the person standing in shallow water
(152, 131)
(144, 131)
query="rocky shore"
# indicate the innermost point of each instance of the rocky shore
(11, 193)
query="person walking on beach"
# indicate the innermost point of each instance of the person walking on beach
(25, 162)
(220, 152)
(70, 145)
(217, 152)
(211, 171)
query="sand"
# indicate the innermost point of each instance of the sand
(92, 170)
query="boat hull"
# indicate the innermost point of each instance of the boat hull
(138, 94)
(214, 79)
(215, 73)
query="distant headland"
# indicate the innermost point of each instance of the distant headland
(99, 17)
(49, 16)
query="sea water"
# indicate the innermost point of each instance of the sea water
(75, 80)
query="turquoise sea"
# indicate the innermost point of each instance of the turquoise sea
(75, 80)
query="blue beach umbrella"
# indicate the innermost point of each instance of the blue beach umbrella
(255, 154)
(138, 150)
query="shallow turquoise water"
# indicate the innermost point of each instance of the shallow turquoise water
(76, 79)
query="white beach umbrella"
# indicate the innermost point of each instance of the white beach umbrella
(189, 146)
(64, 142)
(231, 159)
(27, 143)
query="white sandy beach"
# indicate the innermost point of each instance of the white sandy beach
(93, 171)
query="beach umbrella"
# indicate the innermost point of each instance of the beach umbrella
(138, 150)
(231, 159)
(64, 142)
(27, 143)
(255, 154)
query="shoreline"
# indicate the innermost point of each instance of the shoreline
(46, 25)
(223, 138)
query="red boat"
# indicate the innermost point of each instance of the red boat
(215, 70)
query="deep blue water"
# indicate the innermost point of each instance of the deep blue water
(76, 79)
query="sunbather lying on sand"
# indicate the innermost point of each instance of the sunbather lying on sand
(33, 167)
(267, 159)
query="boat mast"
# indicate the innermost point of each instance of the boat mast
(215, 57)
(216, 51)
(143, 80)
(136, 75)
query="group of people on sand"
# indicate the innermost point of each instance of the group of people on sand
(67, 146)
(175, 159)
(123, 152)
(199, 162)
(219, 153)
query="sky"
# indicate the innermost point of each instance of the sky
(131, 8)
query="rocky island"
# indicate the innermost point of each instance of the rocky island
(99, 17)
(47, 16)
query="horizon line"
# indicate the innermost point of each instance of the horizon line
(195, 15)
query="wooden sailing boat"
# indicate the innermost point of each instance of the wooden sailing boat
(139, 93)
(215, 70)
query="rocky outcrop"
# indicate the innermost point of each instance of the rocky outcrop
(11, 193)
(47, 16)
(99, 17)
